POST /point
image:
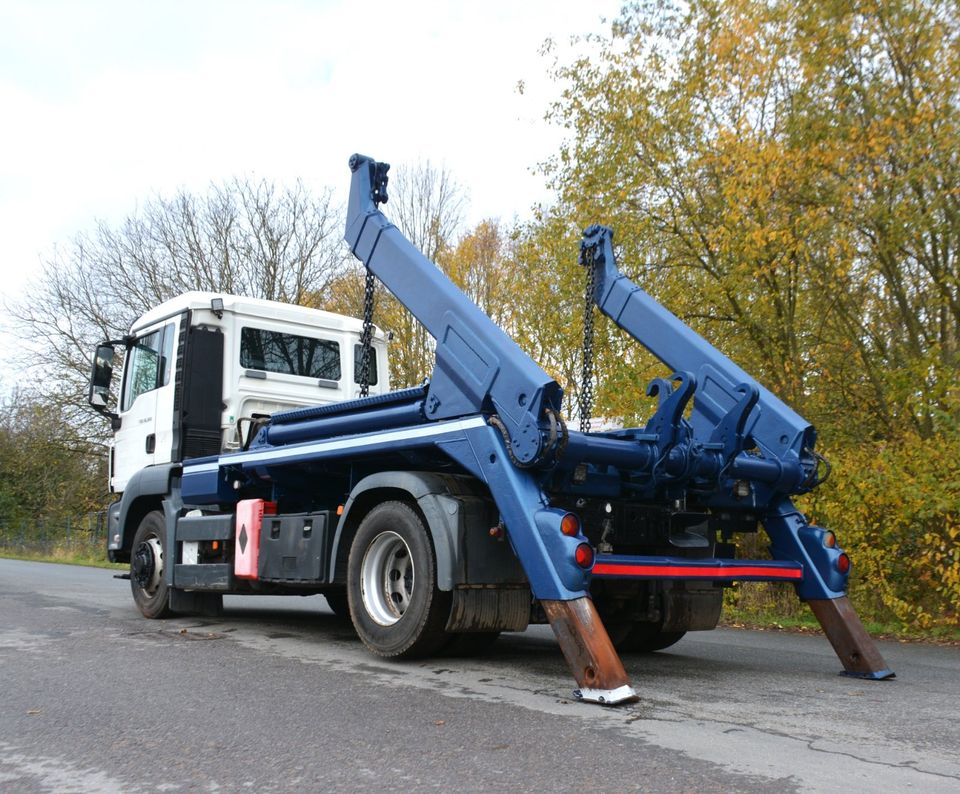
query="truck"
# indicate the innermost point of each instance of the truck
(267, 456)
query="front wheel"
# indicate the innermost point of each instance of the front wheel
(395, 605)
(147, 581)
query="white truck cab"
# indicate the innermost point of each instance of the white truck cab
(202, 369)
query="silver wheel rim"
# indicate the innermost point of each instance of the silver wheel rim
(387, 578)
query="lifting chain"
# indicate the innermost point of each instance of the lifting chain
(586, 379)
(366, 336)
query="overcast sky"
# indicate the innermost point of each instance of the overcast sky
(108, 103)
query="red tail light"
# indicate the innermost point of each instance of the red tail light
(584, 555)
(843, 563)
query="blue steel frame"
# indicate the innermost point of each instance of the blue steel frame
(494, 412)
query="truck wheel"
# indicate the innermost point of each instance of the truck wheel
(146, 567)
(395, 604)
(473, 643)
(337, 601)
(646, 638)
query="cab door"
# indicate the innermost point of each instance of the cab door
(146, 393)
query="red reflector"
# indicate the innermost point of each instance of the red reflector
(584, 555)
(843, 563)
(570, 525)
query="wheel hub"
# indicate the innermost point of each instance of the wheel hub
(146, 565)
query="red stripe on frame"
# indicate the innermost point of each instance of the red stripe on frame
(716, 572)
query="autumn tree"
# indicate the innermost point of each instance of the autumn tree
(49, 472)
(784, 176)
(480, 264)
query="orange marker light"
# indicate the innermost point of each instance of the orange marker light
(570, 525)
(215, 545)
(829, 540)
(339, 510)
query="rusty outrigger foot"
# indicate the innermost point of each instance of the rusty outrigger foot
(594, 661)
(856, 648)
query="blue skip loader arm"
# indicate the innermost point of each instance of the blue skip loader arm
(731, 414)
(516, 439)
(478, 367)
(481, 371)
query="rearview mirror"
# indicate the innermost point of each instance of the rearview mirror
(100, 378)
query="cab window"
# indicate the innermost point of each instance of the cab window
(148, 366)
(289, 354)
(357, 353)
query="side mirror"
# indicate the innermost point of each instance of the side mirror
(100, 379)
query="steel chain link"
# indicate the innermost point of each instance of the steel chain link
(366, 335)
(586, 380)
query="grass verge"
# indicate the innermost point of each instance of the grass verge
(804, 622)
(62, 556)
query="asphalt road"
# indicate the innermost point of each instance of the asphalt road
(280, 696)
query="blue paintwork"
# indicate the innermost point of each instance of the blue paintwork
(731, 412)
(493, 412)
(478, 367)
(340, 425)
(533, 527)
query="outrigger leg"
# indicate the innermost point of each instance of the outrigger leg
(857, 651)
(826, 569)
(586, 646)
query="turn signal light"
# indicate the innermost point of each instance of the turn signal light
(829, 539)
(570, 525)
(843, 563)
(584, 555)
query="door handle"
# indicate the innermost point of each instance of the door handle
(151, 443)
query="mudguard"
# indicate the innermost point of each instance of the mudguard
(153, 481)
(466, 554)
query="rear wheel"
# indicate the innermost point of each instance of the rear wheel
(645, 638)
(395, 604)
(147, 581)
(337, 601)
(472, 643)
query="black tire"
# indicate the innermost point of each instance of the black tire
(645, 638)
(338, 603)
(395, 605)
(147, 567)
(473, 643)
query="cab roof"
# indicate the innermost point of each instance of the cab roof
(253, 307)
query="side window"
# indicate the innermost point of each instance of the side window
(357, 352)
(289, 354)
(149, 365)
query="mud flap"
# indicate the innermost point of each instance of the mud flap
(857, 651)
(589, 652)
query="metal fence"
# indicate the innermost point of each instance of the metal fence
(81, 536)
